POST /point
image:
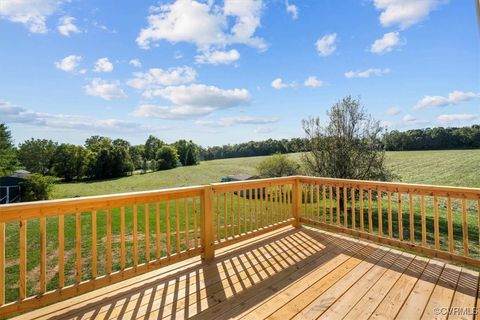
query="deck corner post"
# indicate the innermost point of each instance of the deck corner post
(297, 201)
(207, 220)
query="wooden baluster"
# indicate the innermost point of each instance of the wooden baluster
(256, 208)
(412, 218)
(187, 224)
(436, 222)
(370, 220)
(2, 263)
(94, 244)
(311, 202)
(380, 212)
(284, 201)
(261, 207)
(289, 202)
(360, 199)
(464, 227)
(250, 208)
(424, 222)
(43, 255)
(218, 216)
(61, 251)
(177, 227)
(318, 201)
(157, 231)
(232, 216)
(337, 197)
(122, 239)
(146, 222)
(324, 195)
(390, 224)
(109, 241)
(400, 217)
(478, 217)
(22, 263)
(354, 221)
(330, 195)
(195, 221)
(78, 247)
(135, 235)
(168, 227)
(345, 207)
(450, 224)
(225, 216)
(238, 214)
(244, 210)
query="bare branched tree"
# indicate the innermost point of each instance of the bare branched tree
(348, 146)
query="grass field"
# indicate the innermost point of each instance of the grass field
(459, 168)
(450, 167)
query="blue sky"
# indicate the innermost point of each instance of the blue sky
(234, 70)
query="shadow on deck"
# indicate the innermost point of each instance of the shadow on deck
(304, 273)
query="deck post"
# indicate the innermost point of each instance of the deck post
(207, 230)
(297, 201)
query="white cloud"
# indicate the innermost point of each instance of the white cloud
(291, 9)
(366, 73)
(136, 63)
(103, 65)
(31, 13)
(454, 97)
(66, 26)
(202, 95)
(386, 43)
(107, 90)
(217, 57)
(15, 114)
(157, 77)
(393, 111)
(409, 118)
(326, 45)
(232, 121)
(192, 101)
(448, 118)
(279, 84)
(69, 63)
(313, 82)
(204, 24)
(404, 13)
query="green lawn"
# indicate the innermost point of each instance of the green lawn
(451, 167)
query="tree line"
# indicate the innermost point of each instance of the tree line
(433, 139)
(101, 157)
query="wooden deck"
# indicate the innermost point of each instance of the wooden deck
(299, 273)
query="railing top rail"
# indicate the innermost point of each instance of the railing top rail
(400, 186)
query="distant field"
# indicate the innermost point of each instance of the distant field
(450, 167)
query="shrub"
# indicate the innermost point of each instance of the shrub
(278, 165)
(36, 187)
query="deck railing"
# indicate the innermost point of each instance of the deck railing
(52, 250)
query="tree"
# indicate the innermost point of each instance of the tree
(8, 155)
(278, 165)
(349, 146)
(137, 156)
(71, 161)
(111, 161)
(36, 155)
(36, 187)
(167, 158)
(95, 143)
(151, 147)
(188, 152)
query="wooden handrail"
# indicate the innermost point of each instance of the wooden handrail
(141, 231)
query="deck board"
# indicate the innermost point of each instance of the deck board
(301, 273)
